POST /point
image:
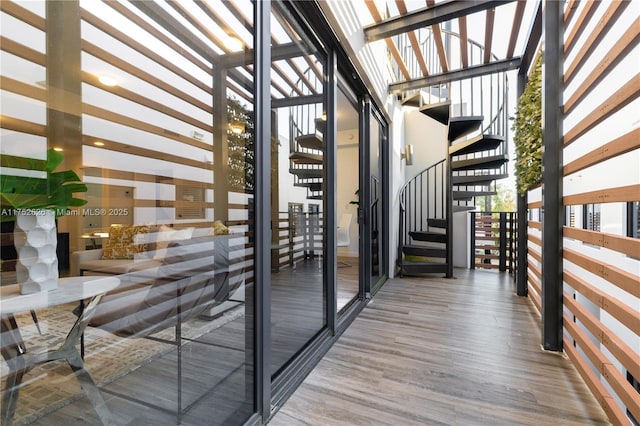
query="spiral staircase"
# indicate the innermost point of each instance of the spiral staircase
(477, 157)
(306, 159)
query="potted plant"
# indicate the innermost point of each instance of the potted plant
(34, 197)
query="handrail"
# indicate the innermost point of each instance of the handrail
(416, 176)
(423, 197)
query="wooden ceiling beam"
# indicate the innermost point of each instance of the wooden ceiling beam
(464, 41)
(515, 27)
(488, 35)
(437, 38)
(390, 43)
(415, 44)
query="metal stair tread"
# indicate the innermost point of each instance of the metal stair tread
(409, 268)
(311, 141)
(437, 223)
(425, 251)
(438, 111)
(480, 163)
(467, 195)
(305, 158)
(307, 173)
(463, 125)
(313, 186)
(414, 100)
(479, 180)
(457, 209)
(435, 237)
(483, 142)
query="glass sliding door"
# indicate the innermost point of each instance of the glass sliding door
(151, 106)
(347, 197)
(376, 201)
(298, 194)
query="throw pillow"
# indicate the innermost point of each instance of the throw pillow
(125, 241)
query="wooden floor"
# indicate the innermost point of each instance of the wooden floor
(464, 351)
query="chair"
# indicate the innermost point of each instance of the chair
(343, 239)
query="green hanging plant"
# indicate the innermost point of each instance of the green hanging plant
(527, 125)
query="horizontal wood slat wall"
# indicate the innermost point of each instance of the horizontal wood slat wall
(595, 37)
(601, 294)
(628, 92)
(535, 224)
(621, 145)
(617, 309)
(618, 51)
(609, 195)
(622, 279)
(626, 245)
(23, 14)
(622, 388)
(608, 404)
(623, 352)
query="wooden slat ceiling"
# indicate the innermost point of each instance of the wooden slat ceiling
(500, 26)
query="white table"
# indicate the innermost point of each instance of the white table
(86, 290)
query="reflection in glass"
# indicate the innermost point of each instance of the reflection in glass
(156, 118)
(298, 175)
(377, 260)
(347, 199)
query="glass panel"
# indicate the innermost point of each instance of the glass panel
(298, 172)
(347, 199)
(375, 164)
(151, 106)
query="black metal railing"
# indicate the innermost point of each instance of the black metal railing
(423, 197)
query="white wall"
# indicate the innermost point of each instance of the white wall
(348, 183)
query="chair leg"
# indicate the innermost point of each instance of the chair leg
(179, 344)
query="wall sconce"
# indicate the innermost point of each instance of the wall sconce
(407, 155)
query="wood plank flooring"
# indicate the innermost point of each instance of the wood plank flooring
(435, 351)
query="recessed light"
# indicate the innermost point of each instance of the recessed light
(98, 143)
(58, 149)
(234, 44)
(107, 80)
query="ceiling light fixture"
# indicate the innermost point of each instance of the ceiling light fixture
(58, 149)
(234, 44)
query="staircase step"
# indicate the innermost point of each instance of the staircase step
(434, 237)
(437, 223)
(477, 144)
(321, 125)
(479, 180)
(311, 141)
(414, 100)
(307, 173)
(462, 126)
(468, 195)
(416, 250)
(410, 268)
(305, 158)
(482, 163)
(313, 186)
(439, 111)
(457, 209)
